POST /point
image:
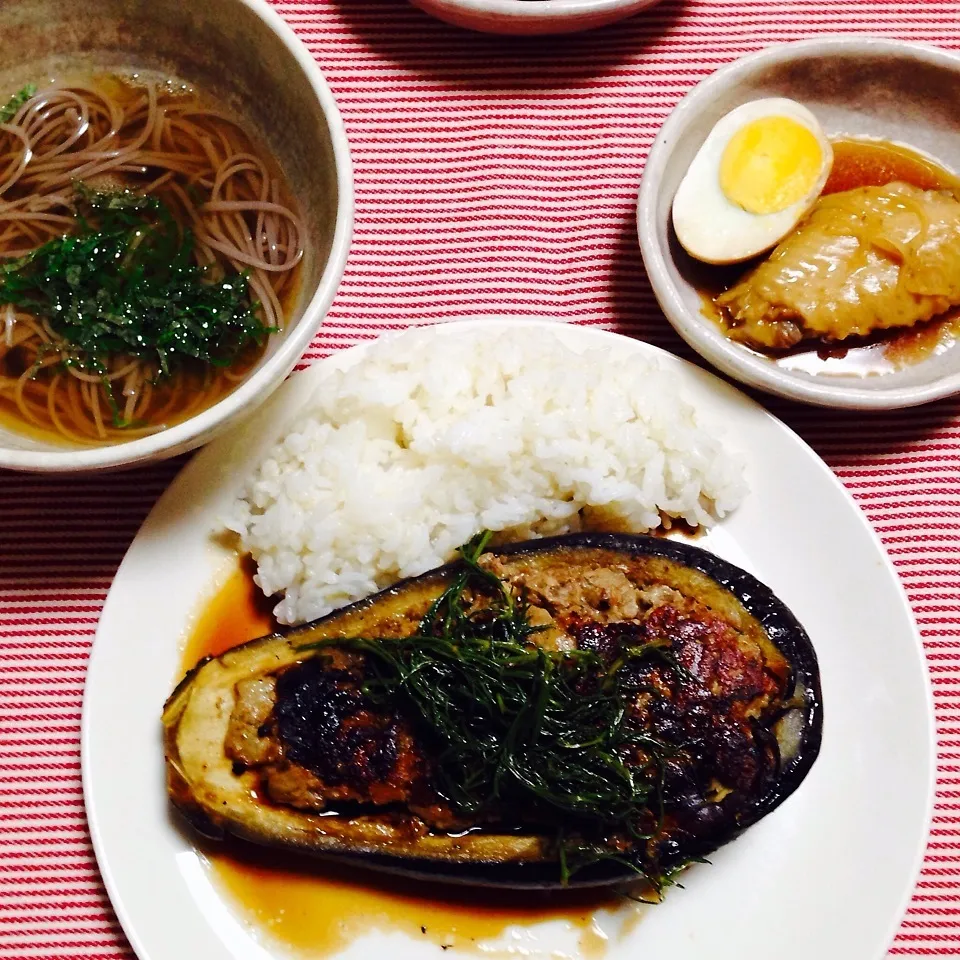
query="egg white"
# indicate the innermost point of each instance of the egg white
(713, 229)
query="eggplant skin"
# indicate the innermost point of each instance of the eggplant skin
(216, 800)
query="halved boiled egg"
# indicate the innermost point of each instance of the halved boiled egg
(759, 171)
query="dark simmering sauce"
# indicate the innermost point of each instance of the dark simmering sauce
(858, 163)
(316, 910)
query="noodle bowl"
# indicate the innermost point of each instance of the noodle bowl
(163, 140)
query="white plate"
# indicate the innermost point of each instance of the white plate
(826, 875)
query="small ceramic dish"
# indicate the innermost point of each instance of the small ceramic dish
(857, 87)
(243, 54)
(528, 17)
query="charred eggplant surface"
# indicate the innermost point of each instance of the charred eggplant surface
(570, 711)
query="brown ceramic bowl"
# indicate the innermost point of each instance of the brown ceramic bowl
(856, 87)
(243, 53)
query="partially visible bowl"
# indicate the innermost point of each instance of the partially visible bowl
(856, 86)
(529, 17)
(243, 53)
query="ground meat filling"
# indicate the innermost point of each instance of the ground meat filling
(326, 725)
(322, 745)
(704, 699)
(316, 742)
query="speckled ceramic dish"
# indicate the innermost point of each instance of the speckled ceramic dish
(857, 87)
(242, 53)
(532, 16)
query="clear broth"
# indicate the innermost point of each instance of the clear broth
(195, 386)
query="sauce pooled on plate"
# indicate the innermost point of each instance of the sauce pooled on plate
(318, 910)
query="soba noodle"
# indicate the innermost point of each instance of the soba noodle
(157, 139)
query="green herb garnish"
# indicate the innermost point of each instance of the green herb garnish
(9, 110)
(126, 283)
(519, 727)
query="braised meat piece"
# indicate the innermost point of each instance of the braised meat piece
(864, 260)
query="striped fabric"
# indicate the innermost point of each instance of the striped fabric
(492, 176)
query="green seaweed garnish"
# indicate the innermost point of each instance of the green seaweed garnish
(9, 110)
(519, 727)
(126, 283)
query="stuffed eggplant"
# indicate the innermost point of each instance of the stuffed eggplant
(569, 711)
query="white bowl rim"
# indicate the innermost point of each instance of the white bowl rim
(541, 9)
(146, 449)
(732, 358)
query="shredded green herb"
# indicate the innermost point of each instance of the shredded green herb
(520, 727)
(126, 283)
(9, 110)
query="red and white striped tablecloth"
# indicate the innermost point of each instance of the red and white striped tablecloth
(492, 176)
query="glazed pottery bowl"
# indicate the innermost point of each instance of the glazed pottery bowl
(856, 87)
(243, 54)
(528, 17)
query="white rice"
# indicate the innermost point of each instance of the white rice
(431, 439)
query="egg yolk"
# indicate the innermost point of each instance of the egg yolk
(769, 164)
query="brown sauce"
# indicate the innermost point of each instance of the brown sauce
(858, 163)
(236, 612)
(873, 163)
(316, 910)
